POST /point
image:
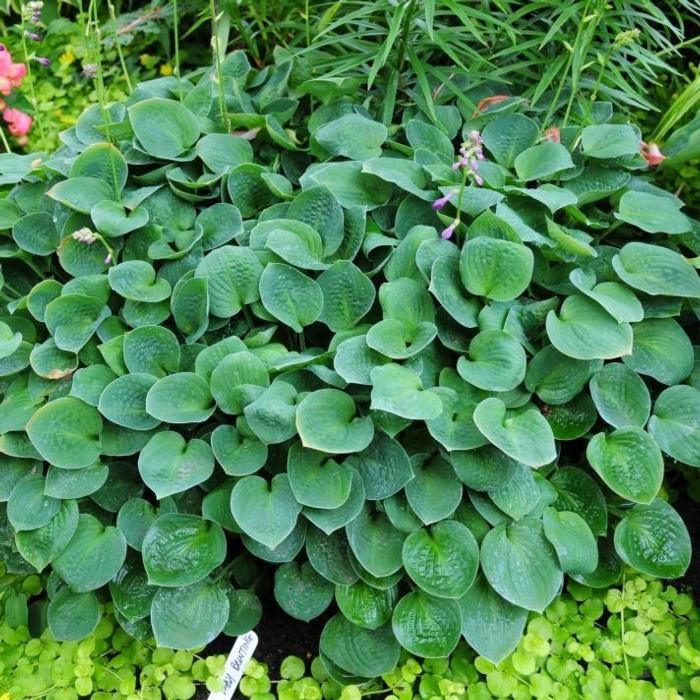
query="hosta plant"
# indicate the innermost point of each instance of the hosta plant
(418, 371)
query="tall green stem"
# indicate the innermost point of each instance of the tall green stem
(217, 63)
(30, 80)
(117, 45)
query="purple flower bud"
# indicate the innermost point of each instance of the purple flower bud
(456, 165)
(474, 165)
(475, 137)
(43, 60)
(447, 233)
(108, 259)
(438, 204)
(33, 36)
(479, 180)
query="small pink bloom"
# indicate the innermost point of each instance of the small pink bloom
(652, 154)
(440, 203)
(552, 134)
(11, 73)
(18, 123)
(447, 233)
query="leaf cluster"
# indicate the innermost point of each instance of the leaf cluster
(219, 348)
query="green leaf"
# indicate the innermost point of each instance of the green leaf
(326, 421)
(443, 559)
(434, 492)
(265, 512)
(509, 135)
(405, 174)
(190, 307)
(347, 295)
(352, 136)
(454, 428)
(290, 296)
(136, 280)
(525, 436)
(656, 270)
(518, 496)
(73, 318)
(427, 626)
(41, 546)
(75, 483)
(399, 391)
(542, 161)
(619, 301)
(190, 616)
(629, 462)
(72, 616)
(610, 140)
(93, 556)
(654, 540)
(238, 454)
(330, 520)
(675, 424)
(585, 331)
(164, 128)
(484, 468)
(81, 194)
(245, 612)
(364, 605)
(103, 161)
(180, 549)
(237, 381)
(66, 433)
(495, 268)
(360, 651)
(113, 221)
(375, 542)
(183, 397)
(496, 362)
(168, 464)
(578, 492)
(220, 151)
(134, 519)
(36, 233)
(350, 185)
(151, 350)
(620, 396)
(27, 506)
(652, 213)
(662, 350)
(317, 481)
(330, 556)
(131, 593)
(521, 565)
(490, 624)
(573, 540)
(272, 415)
(446, 285)
(301, 592)
(318, 207)
(123, 401)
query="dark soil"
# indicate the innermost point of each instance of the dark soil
(689, 510)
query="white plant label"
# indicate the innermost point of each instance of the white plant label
(238, 659)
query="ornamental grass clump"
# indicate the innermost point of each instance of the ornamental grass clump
(229, 359)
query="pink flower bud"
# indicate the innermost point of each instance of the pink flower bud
(18, 123)
(652, 154)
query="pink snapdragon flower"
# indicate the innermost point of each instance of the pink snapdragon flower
(18, 122)
(11, 73)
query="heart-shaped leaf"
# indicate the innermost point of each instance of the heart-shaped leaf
(301, 592)
(620, 396)
(675, 424)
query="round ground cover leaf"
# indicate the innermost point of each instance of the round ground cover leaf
(442, 559)
(27, 507)
(454, 428)
(365, 605)
(238, 380)
(272, 415)
(220, 151)
(573, 540)
(484, 468)
(525, 436)
(656, 270)
(36, 233)
(50, 362)
(164, 128)
(347, 295)
(330, 556)
(427, 626)
(81, 193)
(190, 307)
(398, 341)
(290, 296)
(360, 651)
(509, 135)
(617, 299)
(190, 616)
(93, 556)
(73, 318)
(316, 480)
(326, 421)
(675, 424)
(577, 491)
(354, 360)
(352, 136)
(136, 280)
(491, 625)
(519, 496)
(112, 220)
(318, 207)
(572, 420)
(9, 340)
(245, 612)
(41, 546)
(652, 213)
(180, 398)
(610, 140)
(66, 433)
(434, 492)
(72, 616)
(661, 350)
(123, 401)
(134, 519)
(265, 512)
(654, 540)
(521, 565)
(151, 350)
(629, 462)
(554, 377)
(585, 331)
(75, 483)
(376, 542)
(130, 591)
(383, 466)
(301, 592)
(180, 549)
(496, 268)
(238, 454)
(620, 396)
(542, 161)
(496, 361)
(169, 464)
(233, 274)
(331, 520)
(446, 285)
(398, 390)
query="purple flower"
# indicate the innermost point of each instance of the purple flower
(33, 36)
(440, 203)
(108, 259)
(447, 233)
(43, 60)
(479, 180)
